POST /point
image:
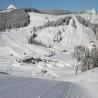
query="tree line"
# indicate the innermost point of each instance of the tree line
(14, 19)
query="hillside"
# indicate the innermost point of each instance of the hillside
(40, 44)
(59, 33)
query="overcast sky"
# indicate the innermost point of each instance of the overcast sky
(52, 4)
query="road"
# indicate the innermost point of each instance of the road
(27, 87)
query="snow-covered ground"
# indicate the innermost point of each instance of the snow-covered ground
(16, 40)
(83, 85)
(57, 64)
(22, 87)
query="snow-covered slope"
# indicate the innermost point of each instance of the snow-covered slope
(46, 45)
(57, 38)
(22, 87)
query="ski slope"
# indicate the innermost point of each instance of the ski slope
(16, 40)
(22, 87)
(28, 80)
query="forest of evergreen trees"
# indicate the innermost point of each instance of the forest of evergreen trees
(14, 19)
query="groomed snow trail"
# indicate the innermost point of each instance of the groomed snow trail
(26, 87)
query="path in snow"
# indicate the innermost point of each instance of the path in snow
(22, 87)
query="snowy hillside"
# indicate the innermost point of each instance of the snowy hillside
(63, 36)
(35, 43)
(53, 34)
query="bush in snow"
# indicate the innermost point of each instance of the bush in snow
(80, 53)
(86, 64)
(94, 57)
(34, 29)
(58, 37)
(52, 53)
(88, 59)
(32, 38)
(91, 61)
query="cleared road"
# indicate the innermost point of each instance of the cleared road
(25, 87)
